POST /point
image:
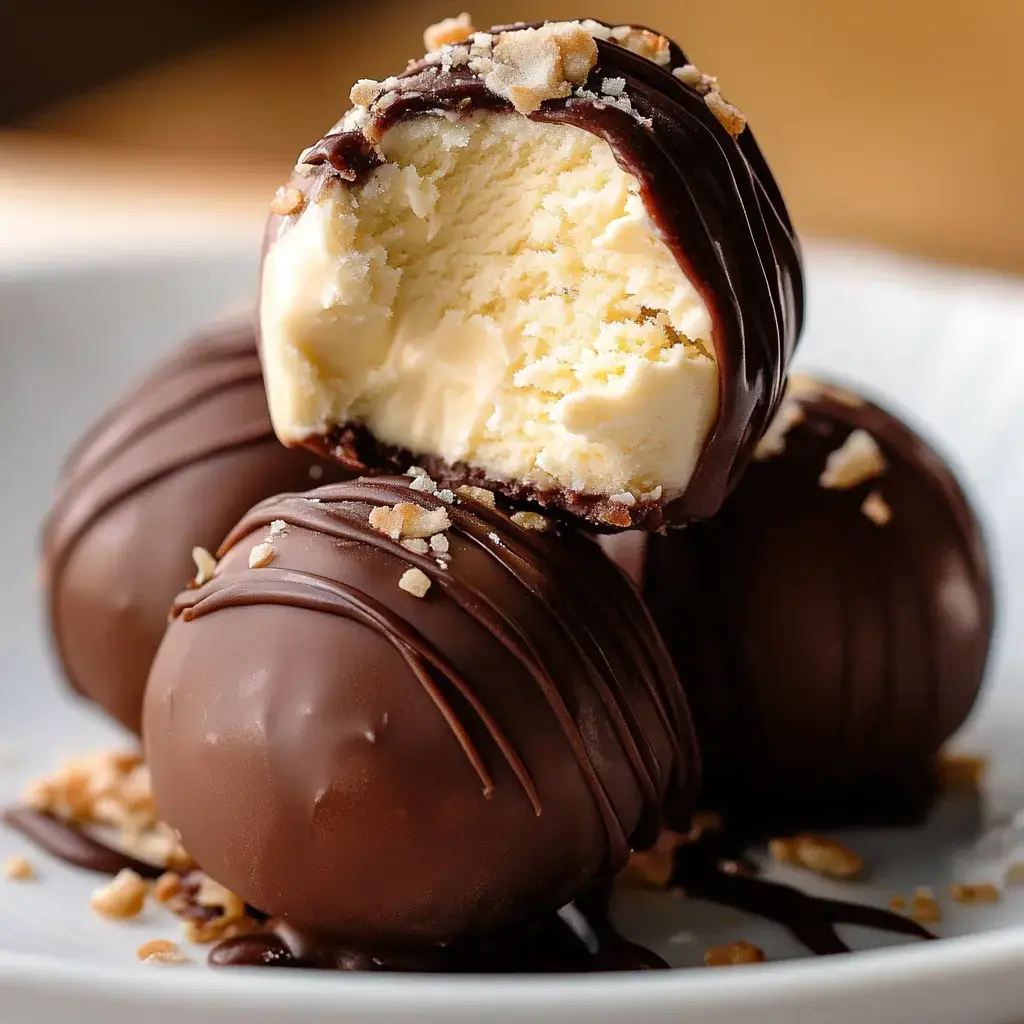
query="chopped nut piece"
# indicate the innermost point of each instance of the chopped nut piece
(448, 32)
(530, 521)
(818, 854)
(278, 527)
(287, 199)
(439, 544)
(479, 494)
(415, 582)
(122, 898)
(615, 516)
(365, 91)
(858, 459)
(980, 892)
(644, 42)
(206, 565)
(790, 414)
(416, 471)
(734, 953)
(897, 903)
(205, 932)
(924, 909)
(625, 498)
(877, 509)
(18, 869)
(730, 117)
(423, 483)
(167, 887)
(961, 773)
(261, 555)
(652, 869)
(408, 520)
(446, 496)
(161, 951)
(416, 545)
(212, 894)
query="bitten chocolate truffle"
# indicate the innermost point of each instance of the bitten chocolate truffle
(398, 716)
(170, 467)
(832, 622)
(546, 259)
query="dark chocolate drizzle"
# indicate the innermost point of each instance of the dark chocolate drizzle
(70, 843)
(341, 512)
(715, 203)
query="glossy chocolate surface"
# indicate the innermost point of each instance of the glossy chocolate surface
(171, 466)
(827, 657)
(715, 203)
(400, 771)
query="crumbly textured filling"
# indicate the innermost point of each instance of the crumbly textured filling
(494, 294)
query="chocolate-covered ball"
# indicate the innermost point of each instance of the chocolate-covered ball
(169, 467)
(832, 621)
(547, 259)
(399, 716)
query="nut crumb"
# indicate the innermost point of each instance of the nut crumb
(961, 773)
(213, 895)
(731, 118)
(897, 903)
(18, 869)
(167, 887)
(644, 43)
(445, 495)
(161, 951)
(877, 509)
(858, 459)
(623, 498)
(477, 494)
(692, 76)
(364, 92)
(773, 442)
(206, 566)
(416, 545)
(278, 528)
(652, 869)
(923, 907)
(122, 898)
(261, 555)
(422, 482)
(415, 582)
(439, 544)
(980, 892)
(407, 519)
(448, 32)
(818, 854)
(617, 516)
(287, 199)
(733, 954)
(530, 521)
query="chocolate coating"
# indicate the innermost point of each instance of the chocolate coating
(714, 202)
(170, 466)
(400, 771)
(827, 657)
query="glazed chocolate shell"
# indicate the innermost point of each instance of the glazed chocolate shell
(170, 466)
(832, 640)
(397, 771)
(714, 202)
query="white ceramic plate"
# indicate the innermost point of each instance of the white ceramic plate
(945, 347)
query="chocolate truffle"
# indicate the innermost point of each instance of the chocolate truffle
(550, 260)
(170, 467)
(398, 716)
(832, 623)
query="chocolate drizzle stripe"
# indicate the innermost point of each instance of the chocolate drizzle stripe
(295, 589)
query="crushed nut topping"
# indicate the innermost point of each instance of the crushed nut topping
(617, 516)
(897, 903)
(961, 773)
(477, 494)
(652, 869)
(530, 521)
(692, 76)
(623, 498)
(208, 911)
(278, 528)
(161, 951)
(980, 892)
(416, 545)
(408, 520)
(206, 566)
(439, 544)
(111, 789)
(167, 887)
(121, 898)
(733, 954)
(365, 91)
(261, 555)
(923, 907)
(287, 199)
(731, 118)
(529, 66)
(448, 32)
(857, 460)
(423, 483)
(613, 86)
(773, 442)
(877, 509)
(415, 582)
(18, 869)
(817, 853)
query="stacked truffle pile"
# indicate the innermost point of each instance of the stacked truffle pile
(538, 289)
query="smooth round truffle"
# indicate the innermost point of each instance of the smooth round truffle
(169, 467)
(832, 621)
(397, 719)
(549, 260)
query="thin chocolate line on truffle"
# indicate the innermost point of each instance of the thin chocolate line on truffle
(294, 589)
(334, 514)
(713, 200)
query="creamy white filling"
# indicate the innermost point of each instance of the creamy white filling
(495, 294)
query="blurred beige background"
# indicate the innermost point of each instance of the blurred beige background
(892, 122)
